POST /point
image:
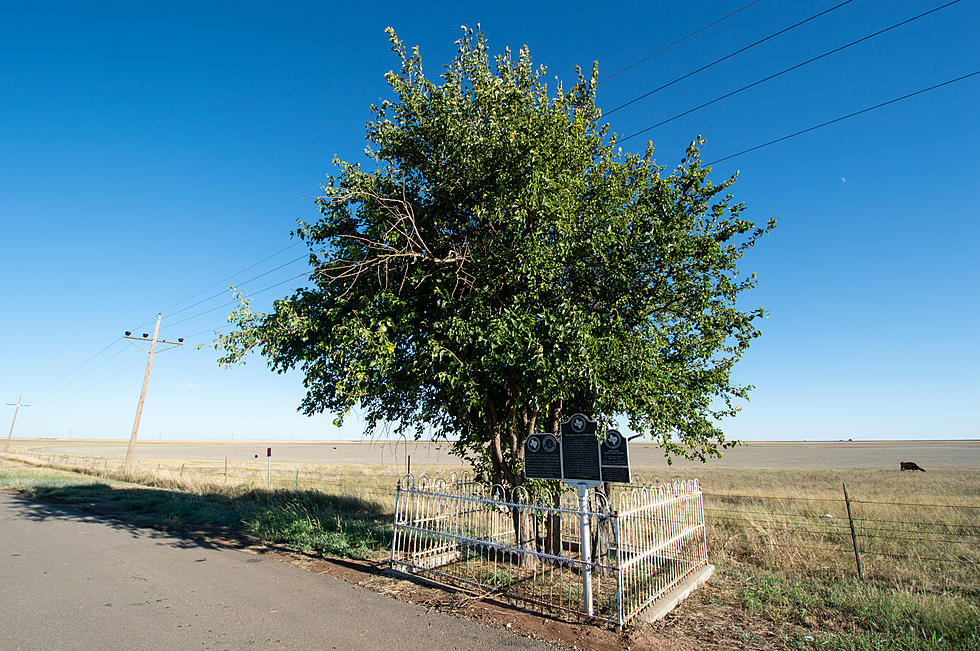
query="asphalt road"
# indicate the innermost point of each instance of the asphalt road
(69, 580)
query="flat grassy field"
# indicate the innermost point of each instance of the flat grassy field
(778, 533)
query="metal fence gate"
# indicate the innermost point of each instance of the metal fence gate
(528, 548)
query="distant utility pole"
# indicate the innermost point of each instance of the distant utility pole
(146, 380)
(17, 406)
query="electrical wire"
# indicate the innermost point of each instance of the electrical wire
(845, 117)
(681, 40)
(94, 384)
(918, 558)
(42, 396)
(226, 279)
(772, 514)
(224, 292)
(210, 287)
(866, 533)
(57, 385)
(44, 388)
(225, 305)
(207, 330)
(726, 57)
(922, 523)
(786, 70)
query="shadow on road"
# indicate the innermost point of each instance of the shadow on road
(308, 521)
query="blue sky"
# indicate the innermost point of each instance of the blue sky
(149, 151)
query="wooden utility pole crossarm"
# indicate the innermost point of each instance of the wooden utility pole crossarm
(17, 405)
(146, 380)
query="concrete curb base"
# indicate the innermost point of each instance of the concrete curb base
(659, 609)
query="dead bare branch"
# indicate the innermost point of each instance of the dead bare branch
(398, 248)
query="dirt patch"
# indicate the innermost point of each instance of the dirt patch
(698, 623)
(371, 575)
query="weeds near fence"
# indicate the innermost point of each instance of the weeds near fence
(326, 524)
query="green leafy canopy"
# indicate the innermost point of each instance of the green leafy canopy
(505, 265)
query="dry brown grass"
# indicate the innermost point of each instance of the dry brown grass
(920, 529)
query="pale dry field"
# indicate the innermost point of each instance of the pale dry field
(963, 454)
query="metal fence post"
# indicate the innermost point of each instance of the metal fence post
(850, 519)
(585, 546)
(619, 570)
(394, 531)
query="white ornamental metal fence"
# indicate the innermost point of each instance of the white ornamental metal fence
(528, 548)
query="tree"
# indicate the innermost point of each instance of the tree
(505, 266)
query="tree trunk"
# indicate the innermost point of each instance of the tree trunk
(552, 541)
(601, 533)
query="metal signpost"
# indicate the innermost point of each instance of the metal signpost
(582, 461)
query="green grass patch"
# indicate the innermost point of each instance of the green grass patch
(38, 479)
(330, 525)
(325, 524)
(850, 614)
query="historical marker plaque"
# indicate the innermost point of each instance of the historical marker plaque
(542, 459)
(580, 449)
(614, 458)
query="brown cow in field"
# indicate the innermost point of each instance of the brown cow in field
(909, 465)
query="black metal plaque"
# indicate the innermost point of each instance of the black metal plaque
(580, 449)
(542, 458)
(614, 458)
(615, 474)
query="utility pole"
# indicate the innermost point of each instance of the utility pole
(17, 406)
(146, 380)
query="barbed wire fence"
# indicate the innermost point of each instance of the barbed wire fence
(929, 546)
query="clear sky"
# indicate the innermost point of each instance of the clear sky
(150, 151)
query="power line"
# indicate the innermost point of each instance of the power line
(844, 117)
(63, 386)
(222, 293)
(225, 305)
(58, 384)
(210, 287)
(207, 330)
(192, 337)
(93, 384)
(44, 388)
(223, 280)
(790, 69)
(679, 41)
(727, 56)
